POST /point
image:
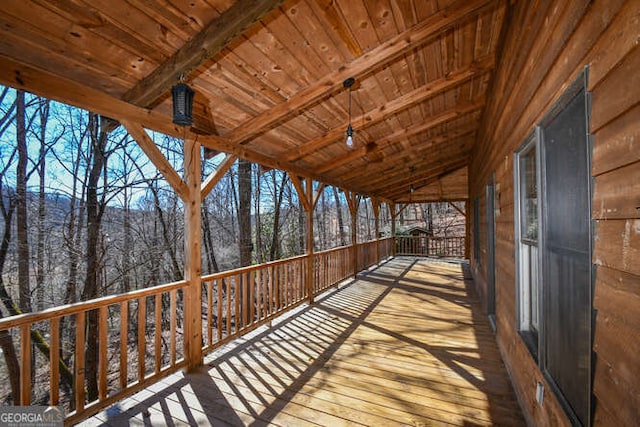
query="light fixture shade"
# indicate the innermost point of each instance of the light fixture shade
(182, 96)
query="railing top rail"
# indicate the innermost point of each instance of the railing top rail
(249, 268)
(65, 310)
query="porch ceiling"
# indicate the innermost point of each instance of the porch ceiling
(268, 77)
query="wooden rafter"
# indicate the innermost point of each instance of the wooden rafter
(386, 52)
(392, 107)
(46, 84)
(397, 190)
(211, 40)
(353, 155)
(337, 21)
(432, 144)
(448, 135)
(403, 161)
(215, 177)
(427, 174)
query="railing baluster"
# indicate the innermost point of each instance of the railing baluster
(124, 348)
(238, 296)
(279, 286)
(25, 364)
(173, 316)
(142, 342)
(228, 306)
(210, 313)
(102, 348)
(158, 332)
(54, 357)
(219, 285)
(79, 361)
(249, 298)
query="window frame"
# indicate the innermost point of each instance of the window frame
(531, 334)
(538, 345)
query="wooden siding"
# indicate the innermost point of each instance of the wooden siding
(405, 344)
(547, 44)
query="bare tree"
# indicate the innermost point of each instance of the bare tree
(244, 212)
(343, 237)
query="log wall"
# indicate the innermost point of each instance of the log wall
(546, 45)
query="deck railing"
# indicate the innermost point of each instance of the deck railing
(140, 333)
(453, 247)
(128, 326)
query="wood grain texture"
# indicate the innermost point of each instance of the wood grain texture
(406, 344)
(560, 40)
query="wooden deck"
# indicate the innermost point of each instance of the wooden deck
(405, 344)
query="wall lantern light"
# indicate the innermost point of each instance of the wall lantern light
(182, 96)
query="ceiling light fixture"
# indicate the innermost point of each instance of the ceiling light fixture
(182, 96)
(348, 83)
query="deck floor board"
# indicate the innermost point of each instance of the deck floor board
(404, 344)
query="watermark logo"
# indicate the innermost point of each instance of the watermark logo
(31, 416)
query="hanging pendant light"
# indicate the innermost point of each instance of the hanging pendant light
(348, 83)
(182, 96)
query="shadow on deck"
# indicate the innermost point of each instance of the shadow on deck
(405, 344)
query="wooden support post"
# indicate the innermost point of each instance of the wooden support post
(309, 202)
(353, 200)
(392, 210)
(467, 231)
(375, 204)
(192, 254)
(310, 275)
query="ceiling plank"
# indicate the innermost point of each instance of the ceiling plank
(49, 85)
(392, 107)
(353, 155)
(336, 20)
(44, 83)
(211, 40)
(399, 160)
(371, 60)
(393, 190)
(409, 169)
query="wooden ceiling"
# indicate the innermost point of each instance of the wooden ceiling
(269, 75)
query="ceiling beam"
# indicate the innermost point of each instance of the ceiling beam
(430, 143)
(49, 85)
(388, 51)
(392, 107)
(408, 170)
(338, 23)
(392, 190)
(436, 120)
(353, 155)
(207, 43)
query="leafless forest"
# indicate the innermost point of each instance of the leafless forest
(84, 214)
